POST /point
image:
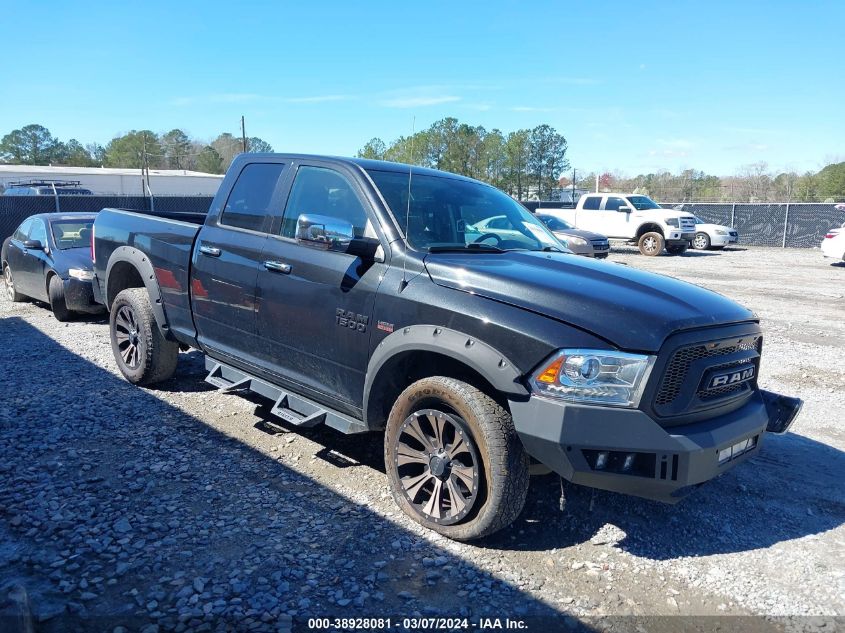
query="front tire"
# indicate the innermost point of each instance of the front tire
(13, 295)
(56, 294)
(143, 355)
(453, 459)
(651, 244)
(701, 241)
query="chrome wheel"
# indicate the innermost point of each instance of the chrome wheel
(10, 286)
(650, 244)
(700, 241)
(128, 338)
(438, 466)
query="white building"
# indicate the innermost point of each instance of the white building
(125, 182)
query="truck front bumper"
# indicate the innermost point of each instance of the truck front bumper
(625, 450)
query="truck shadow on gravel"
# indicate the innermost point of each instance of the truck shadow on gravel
(118, 508)
(792, 489)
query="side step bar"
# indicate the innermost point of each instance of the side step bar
(292, 408)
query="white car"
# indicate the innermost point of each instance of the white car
(833, 244)
(714, 236)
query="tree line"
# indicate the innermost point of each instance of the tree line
(751, 183)
(517, 162)
(525, 163)
(35, 145)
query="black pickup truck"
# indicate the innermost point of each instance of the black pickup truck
(357, 294)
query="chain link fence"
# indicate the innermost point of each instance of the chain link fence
(796, 225)
(790, 225)
(15, 209)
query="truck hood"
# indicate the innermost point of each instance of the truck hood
(632, 309)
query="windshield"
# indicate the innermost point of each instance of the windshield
(553, 223)
(698, 220)
(72, 234)
(641, 203)
(447, 213)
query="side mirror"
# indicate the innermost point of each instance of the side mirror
(624, 209)
(367, 248)
(33, 245)
(324, 232)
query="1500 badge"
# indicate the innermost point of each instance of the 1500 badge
(353, 321)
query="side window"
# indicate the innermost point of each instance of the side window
(324, 192)
(613, 204)
(248, 206)
(592, 203)
(38, 232)
(23, 230)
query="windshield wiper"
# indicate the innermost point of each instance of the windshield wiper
(471, 248)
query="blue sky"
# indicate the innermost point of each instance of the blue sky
(633, 86)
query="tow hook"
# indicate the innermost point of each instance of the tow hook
(781, 410)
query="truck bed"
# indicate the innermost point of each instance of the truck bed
(167, 239)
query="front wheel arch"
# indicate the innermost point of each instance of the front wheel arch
(407, 354)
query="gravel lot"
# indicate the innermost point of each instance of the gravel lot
(180, 509)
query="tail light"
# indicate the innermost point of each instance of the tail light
(93, 258)
(830, 235)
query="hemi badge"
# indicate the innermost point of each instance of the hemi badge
(384, 325)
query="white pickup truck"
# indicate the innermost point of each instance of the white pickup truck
(632, 218)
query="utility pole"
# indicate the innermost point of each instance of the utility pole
(573, 185)
(243, 133)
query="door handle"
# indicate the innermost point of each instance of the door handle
(211, 251)
(278, 267)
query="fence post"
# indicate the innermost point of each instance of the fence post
(733, 211)
(785, 223)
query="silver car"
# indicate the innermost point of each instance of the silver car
(580, 242)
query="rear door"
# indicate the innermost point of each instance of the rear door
(315, 303)
(227, 258)
(589, 214)
(15, 254)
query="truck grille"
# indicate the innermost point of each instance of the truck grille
(687, 225)
(677, 373)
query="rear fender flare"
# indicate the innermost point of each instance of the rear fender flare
(142, 264)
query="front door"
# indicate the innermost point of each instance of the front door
(617, 222)
(227, 258)
(32, 277)
(315, 303)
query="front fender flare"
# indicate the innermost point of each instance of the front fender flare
(138, 260)
(469, 350)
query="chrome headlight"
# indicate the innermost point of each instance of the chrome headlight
(592, 376)
(672, 222)
(575, 241)
(82, 274)
(721, 232)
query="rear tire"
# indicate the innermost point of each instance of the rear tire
(651, 244)
(13, 295)
(56, 294)
(467, 448)
(701, 241)
(143, 355)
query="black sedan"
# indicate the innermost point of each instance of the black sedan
(48, 258)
